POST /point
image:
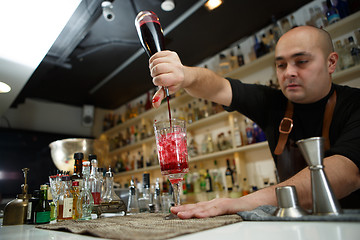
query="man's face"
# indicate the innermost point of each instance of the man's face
(301, 67)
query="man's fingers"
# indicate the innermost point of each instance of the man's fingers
(158, 97)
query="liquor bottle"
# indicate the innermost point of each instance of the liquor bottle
(249, 131)
(237, 133)
(196, 110)
(236, 185)
(196, 180)
(275, 29)
(157, 196)
(94, 180)
(133, 206)
(229, 176)
(190, 116)
(42, 209)
(320, 18)
(144, 200)
(245, 187)
(85, 201)
(75, 191)
(77, 175)
(65, 201)
(209, 143)
(339, 48)
(293, 22)
(209, 185)
(354, 50)
(240, 56)
(217, 186)
(332, 14)
(233, 61)
(33, 201)
(347, 58)
(100, 175)
(224, 64)
(52, 206)
(285, 24)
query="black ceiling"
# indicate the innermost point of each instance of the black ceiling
(103, 46)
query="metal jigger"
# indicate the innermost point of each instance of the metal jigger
(324, 200)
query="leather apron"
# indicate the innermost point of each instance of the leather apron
(289, 158)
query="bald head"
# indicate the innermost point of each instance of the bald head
(320, 38)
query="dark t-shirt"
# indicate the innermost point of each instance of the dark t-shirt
(266, 106)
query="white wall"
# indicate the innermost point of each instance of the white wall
(49, 117)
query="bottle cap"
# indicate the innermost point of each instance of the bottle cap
(79, 156)
(92, 157)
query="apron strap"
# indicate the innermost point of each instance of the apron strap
(285, 128)
(286, 124)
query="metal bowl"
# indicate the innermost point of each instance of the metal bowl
(62, 151)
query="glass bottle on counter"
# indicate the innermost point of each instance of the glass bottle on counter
(75, 190)
(144, 200)
(94, 180)
(33, 201)
(65, 201)
(110, 195)
(157, 196)
(85, 201)
(42, 209)
(77, 175)
(133, 206)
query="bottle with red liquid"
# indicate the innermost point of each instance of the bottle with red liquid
(151, 38)
(94, 181)
(150, 32)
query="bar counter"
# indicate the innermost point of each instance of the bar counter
(249, 230)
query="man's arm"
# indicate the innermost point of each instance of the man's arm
(167, 70)
(342, 173)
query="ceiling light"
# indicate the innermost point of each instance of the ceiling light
(168, 5)
(212, 4)
(4, 88)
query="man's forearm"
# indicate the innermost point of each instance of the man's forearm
(204, 83)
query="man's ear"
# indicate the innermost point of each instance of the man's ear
(332, 61)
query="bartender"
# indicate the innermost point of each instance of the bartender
(307, 105)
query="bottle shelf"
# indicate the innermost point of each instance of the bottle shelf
(200, 123)
(148, 114)
(336, 30)
(203, 157)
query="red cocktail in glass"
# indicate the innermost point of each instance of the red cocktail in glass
(172, 152)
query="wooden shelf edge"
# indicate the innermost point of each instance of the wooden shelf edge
(346, 75)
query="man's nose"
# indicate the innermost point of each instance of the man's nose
(290, 71)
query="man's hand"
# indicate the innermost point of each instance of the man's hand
(215, 207)
(166, 70)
